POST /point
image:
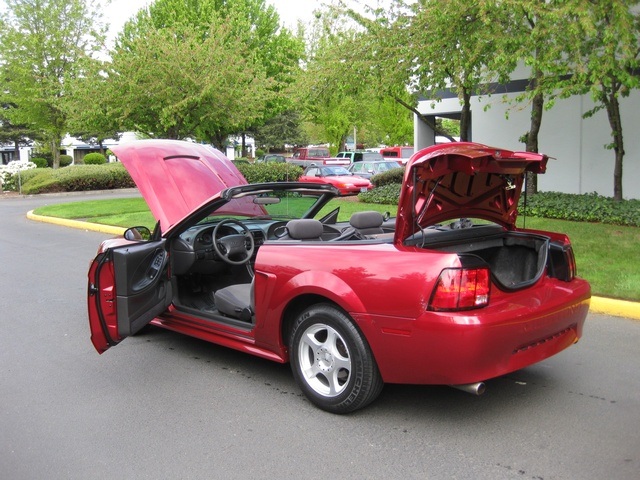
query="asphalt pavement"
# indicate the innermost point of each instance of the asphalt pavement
(165, 405)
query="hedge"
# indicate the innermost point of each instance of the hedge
(589, 207)
(77, 178)
(270, 172)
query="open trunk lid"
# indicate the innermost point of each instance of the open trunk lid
(460, 180)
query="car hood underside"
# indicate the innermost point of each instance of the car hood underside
(460, 180)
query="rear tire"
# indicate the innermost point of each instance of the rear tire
(332, 362)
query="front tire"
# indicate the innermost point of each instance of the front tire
(332, 362)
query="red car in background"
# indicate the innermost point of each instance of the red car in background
(346, 182)
(448, 292)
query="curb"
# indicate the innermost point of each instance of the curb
(607, 306)
(617, 308)
(93, 227)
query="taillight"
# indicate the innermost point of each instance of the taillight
(461, 289)
(562, 262)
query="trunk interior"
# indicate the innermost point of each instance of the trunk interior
(516, 260)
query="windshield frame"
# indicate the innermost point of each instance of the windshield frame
(215, 205)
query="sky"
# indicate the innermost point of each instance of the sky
(290, 11)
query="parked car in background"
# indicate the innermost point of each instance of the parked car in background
(360, 156)
(311, 156)
(400, 154)
(367, 169)
(429, 297)
(339, 177)
(271, 157)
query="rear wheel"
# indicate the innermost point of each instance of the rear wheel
(332, 362)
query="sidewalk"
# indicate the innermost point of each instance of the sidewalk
(607, 306)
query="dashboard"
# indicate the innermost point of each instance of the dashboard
(193, 250)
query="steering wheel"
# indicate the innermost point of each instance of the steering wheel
(234, 245)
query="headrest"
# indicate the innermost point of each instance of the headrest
(362, 220)
(304, 229)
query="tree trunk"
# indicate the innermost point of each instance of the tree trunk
(465, 116)
(537, 108)
(615, 121)
(54, 144)
(343, 143)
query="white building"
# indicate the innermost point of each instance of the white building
(582, 163)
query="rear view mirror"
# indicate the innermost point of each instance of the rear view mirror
(137, 234)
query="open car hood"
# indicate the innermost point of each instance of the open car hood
(463, 180)
(175, 177)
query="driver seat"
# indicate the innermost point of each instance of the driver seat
(236, 301)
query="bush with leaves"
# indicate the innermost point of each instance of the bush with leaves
(385, 195)
(11, 175)
(94, 159)
(387, 187)
(40, 162)
(65, 160)
(78, 178)
(589, 207)
(270, 172)
(393, 176)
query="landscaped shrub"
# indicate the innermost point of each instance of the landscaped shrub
(270, 172)
(386, 194)
(94, 159)
(241, 161)
(11, 175)
(78, 178)
(66, 160)
(392, 176)
(40, 162)
(589, 207)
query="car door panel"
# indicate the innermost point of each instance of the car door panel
(142, 291)
(128, 287)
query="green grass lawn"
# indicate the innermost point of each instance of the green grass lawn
(607, 255)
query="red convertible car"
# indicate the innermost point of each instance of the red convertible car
(346, 182)
(447, 292)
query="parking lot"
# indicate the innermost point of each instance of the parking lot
(162, 405)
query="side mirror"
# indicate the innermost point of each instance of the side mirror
(137, 234)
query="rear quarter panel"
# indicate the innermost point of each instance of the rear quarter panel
(373, 279)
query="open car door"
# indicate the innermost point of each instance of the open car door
(128, 287)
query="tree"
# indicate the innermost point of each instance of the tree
(214, 68)
(279, 131)
(44, 45)
(338, 90)
(606, 59)
(450, 46)
(173, 83)
(423, 47)
(89, 109)
(535, 36)
(18, 135)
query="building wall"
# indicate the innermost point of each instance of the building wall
(581, 162)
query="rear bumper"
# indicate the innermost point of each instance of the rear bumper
(512, 333)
